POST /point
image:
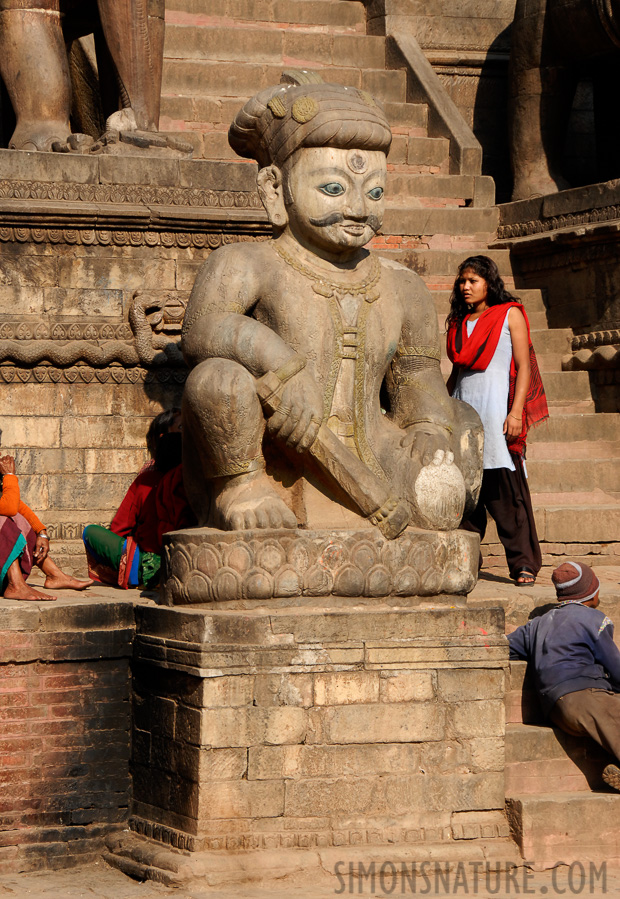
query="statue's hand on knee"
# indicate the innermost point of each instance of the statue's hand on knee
(425, 440)
(299, 414)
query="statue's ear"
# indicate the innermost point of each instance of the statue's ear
(269, 183)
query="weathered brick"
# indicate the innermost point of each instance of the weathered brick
(343, 796)
(478, 719)
(411, 722)
(340, 688)
(406, 686)
(283, 690)
(459, 684)
(252, 726)
(242, 799)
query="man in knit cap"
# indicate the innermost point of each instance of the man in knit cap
(576, 662)
(330, 324)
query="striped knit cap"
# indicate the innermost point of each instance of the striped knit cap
(574, 582)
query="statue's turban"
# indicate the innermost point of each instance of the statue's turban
(281, 119)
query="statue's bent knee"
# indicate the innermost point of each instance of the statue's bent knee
(222, 415)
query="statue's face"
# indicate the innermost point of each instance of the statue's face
(335, 198)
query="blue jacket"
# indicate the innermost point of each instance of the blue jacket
(570, 648)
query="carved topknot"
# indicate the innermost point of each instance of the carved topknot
(284, 118)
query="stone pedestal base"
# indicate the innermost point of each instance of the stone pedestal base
(310, 729)
(205, 565)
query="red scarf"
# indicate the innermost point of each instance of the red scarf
(476, 350)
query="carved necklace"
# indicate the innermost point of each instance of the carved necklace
(350, 343)
(326, 287)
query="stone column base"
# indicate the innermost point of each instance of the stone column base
(307, 729)
(346, 871)
(205, 565)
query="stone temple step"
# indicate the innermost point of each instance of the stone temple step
(343, 15)
(180, 112)
(542, 759)
(568, 430)
(573, 451)
(449, 190)
(567, 827)
(565, 475)
(571, 517)
(210, 78)
(477, 222)
(277, 46)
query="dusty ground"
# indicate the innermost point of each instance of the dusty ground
(98, 881)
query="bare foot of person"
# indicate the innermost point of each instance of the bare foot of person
(249, 501)
(27, 593)
(66, 582)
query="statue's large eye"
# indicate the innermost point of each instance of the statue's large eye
(333, 189)
(376, 193)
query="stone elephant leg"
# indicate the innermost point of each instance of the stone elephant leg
(35, 70)
(134, 35)
(541, 96)
(223, 463)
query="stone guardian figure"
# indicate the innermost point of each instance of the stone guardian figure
(315, 397)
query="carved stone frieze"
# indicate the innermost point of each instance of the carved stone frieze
(136, 194)
(91, 237)
(207, 565)
(86, 374)
(556, 222)
(594, 339)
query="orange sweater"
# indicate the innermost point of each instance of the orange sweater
(11, 504)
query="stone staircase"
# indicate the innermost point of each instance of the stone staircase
(557, 803)
(213, 63)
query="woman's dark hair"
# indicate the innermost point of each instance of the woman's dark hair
(485, 268)
(160, 425)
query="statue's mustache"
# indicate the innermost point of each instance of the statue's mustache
(334, 218)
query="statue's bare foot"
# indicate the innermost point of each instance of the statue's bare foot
(249, 501)
(26, 592)
(65, 582)
(39, 136)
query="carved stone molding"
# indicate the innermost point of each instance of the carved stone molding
(594, 339)
(86, 374)
(207, 565)
(137, 194)
(199, 239)
(557, 222)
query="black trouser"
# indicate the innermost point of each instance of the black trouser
(505, 495)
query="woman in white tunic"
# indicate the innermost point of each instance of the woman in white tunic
(495, 371)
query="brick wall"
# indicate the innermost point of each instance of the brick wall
(64, 731)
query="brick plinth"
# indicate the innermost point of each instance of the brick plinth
(64, 743)
(304, 728)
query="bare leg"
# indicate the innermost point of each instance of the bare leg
(33, 64)
(223, 428)
(56, 579)
(17, 587)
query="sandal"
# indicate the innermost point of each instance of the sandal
(525, 578)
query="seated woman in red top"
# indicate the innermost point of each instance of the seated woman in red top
(128, 553)
(24, 543)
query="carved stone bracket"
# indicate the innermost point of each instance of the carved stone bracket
(207, 565)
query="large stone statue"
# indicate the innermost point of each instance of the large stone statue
(129, 36)
(551, 40)
(316, 396)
